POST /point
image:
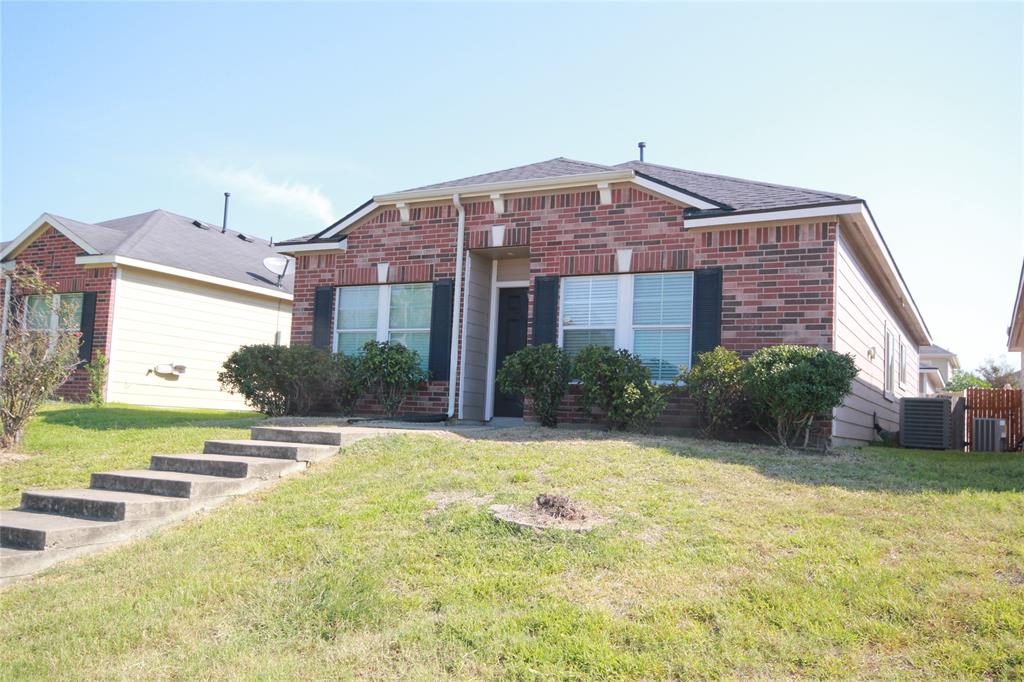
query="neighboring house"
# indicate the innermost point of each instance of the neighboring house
(665, 262)
(165, 297)
(936, 368)
(1015, 332)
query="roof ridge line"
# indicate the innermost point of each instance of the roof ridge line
(834, 195)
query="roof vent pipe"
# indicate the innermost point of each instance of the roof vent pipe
(224, 225)
(641, 145)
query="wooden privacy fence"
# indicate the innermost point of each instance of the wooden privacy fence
(994, 403)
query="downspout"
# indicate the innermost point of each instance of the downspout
(456, 308)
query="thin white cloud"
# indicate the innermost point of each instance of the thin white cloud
(257, 187)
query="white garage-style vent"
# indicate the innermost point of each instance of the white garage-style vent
(925, 423)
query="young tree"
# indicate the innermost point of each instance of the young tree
(998, 373)
(37, 358)
(961, 381)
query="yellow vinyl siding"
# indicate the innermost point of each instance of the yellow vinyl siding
(861, 319)
(162, 319)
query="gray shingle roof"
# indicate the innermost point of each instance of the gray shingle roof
(173, 240)
(736, 193)
(552, 168)
(934, 350)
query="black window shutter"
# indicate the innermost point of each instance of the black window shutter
(545, 310)
(441, 307)
(707, 310)
(87, 327)
(323, 309)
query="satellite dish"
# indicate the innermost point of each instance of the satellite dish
(277, 265)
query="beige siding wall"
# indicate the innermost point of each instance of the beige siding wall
(478, 324)
(513, 269)
(862, 317)
(161, 319)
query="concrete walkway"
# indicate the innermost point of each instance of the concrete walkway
(118, 506)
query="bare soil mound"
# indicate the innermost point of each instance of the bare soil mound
(549, 511)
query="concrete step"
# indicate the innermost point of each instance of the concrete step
(301, 452)
(37, 530)
(169, 483)
(103, 505)
(15, 561)
(311, 435)
(227, 465)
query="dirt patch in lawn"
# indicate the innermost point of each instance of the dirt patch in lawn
(550, 511)
(444, 499)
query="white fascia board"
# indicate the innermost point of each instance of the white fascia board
(675, 194)
(37, 226)
(179, 272)
(507, 186)
(305, 248)
(772, 216)
(355, 217)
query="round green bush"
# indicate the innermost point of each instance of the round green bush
(715, 383)
(617, 383)
(541, 375)
(391, 372)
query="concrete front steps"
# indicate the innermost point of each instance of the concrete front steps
(53, 525)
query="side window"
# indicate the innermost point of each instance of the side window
(409, 318)
(890, 361)
(903, 364)
(662, 317)
(46, 312)
(589, 312)
(356, 318)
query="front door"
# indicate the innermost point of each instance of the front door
(512, 304)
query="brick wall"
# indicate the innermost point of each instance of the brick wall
(53, 255)
(777, 279)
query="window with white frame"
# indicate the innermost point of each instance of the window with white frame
(387, 312)
(50, 312)
(903, 363)
(662, 315)
(890, 362)
(589, 312)
(650, 315)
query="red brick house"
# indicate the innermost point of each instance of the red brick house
(665, 262)
(166, 298)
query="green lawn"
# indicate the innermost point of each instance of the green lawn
(65, 443)
(720, 561)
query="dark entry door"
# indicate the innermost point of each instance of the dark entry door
(512, 304)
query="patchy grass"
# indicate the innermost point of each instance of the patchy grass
(720, 560)
(67, 442)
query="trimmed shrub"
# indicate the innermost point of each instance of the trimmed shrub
(716, 385)
(791, 385)
(617, 383)
(292, 380)
(541, 375)
(391, 372)
(97, 373)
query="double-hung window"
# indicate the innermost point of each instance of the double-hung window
(589, 312)
(387, 312)
(903, 363)
(662, 315)
(650, 315)
(890, 362)
(53, 312)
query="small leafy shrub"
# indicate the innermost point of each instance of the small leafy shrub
(716, 385)
(292, 380)
(541, 375)
(617, 383)
(97, 373)
(35, 363)
(791, 385)
(391, 372)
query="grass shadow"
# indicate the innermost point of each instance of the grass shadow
(112, 417)
(857, 469)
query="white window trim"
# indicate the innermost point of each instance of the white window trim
(888, 361)
(624, 328)
(383, 330)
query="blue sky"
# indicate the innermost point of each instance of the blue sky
(303, 111)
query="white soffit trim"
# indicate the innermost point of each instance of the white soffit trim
(765, 216)
(299, 248)
(669, 192)
(355, 217)
(32, 232)
(179, 272)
